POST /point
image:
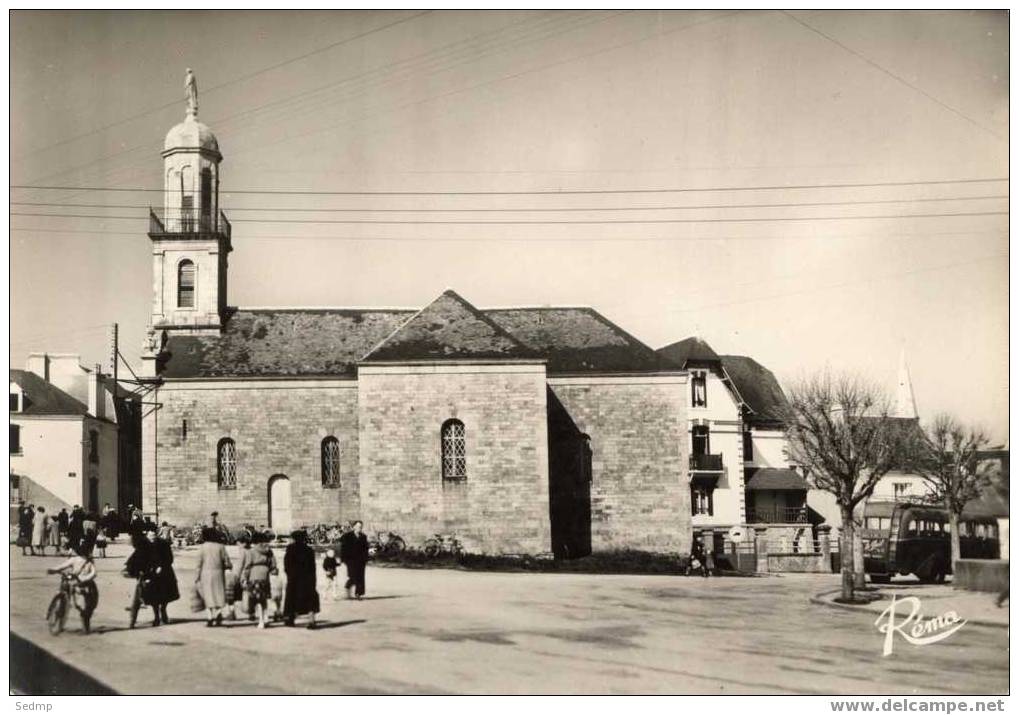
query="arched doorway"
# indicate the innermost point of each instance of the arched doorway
(279, 504)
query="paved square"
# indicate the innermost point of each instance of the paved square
(443, 631)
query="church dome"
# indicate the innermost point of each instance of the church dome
(191, 134)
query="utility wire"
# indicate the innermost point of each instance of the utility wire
(228, 83)
(533, 239)
(571, 222)
(282, 209)
(540, 192)
(901, 80)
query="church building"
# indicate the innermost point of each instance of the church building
(519, 430)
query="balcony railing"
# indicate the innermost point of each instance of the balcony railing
(777, 515)
(705, 463)
(187, 222)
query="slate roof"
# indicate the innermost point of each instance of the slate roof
(758, 388)
(767, 478)
(689, 350)
(450, 328)
(330, 342)
(44, 398)
(579, 340)
(283, 343)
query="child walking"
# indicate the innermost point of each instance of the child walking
(329, 565)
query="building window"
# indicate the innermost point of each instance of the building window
(699, 388)
(186, 285)
(93, 446)
(206, 196)
(454, 450)
(183, 430)
(902, 490)
(701, 440)
(14, 402)
(15, 439)
(330, 463)
(702, 500)
(748, 446)
(226, 464)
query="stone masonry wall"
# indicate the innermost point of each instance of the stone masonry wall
(503, 505)
(640, 486)
(277, 427)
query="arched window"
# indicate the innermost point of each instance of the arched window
(330, 463)
(186, 284)
(93, 446)
(226, 464)
(454, 450)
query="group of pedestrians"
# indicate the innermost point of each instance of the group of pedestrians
(38, 529)
(256, 581)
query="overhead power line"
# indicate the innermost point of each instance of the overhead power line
(755, 219)
(791, 204)
(228, 83)
(901, 80)
(539, 192)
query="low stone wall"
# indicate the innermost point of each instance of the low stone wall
(980, 575)
(798, 563)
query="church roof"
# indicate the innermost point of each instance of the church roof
(191, 134)
(283, 343)
(576, 340)
(450, 328)
(330, 342)
(691, 350)
(758, 388)
(42, 398)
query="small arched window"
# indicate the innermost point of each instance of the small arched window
(226, 464)
(454, 450)
(330, 463)
(186, 284)
(93, 446)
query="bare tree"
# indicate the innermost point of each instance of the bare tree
(840, 433)
(946, 458)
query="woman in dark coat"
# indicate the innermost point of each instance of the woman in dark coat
(140, 566)
(164, 580)
(301, 595)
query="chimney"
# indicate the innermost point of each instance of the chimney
(96, 398)
(39, 364)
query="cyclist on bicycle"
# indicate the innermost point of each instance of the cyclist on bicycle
(83, 571)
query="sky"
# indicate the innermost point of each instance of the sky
(818, 190)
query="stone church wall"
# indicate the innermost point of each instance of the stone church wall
(503, 505)
(277, 427)
(640, 485)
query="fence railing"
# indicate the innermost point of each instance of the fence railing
(706, 462)
(777, 515)
(187, 221)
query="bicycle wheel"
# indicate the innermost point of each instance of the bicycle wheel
(56, 614)
(397, 544)
(432, 548)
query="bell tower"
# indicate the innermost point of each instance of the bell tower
(190, 235)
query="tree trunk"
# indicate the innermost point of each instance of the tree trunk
(953, 525)
(846, 549)
(859, 570)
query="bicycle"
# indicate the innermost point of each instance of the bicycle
(442, 544)
(56, 614)
(386, 542)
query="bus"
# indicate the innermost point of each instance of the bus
(909, 538)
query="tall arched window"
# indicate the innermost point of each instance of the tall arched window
(454, 450)
(186, 284)
(330, 463)
(226, 464)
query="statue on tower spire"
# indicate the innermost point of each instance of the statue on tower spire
(191, 90)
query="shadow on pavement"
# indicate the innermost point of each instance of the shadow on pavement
(34, 671)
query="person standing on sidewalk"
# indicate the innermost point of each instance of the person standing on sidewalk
(210, 574)
(354, 553)
(301, 594)
(40, 531)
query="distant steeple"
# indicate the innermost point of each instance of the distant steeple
(905, 403)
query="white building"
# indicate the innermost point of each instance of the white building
(65, 442)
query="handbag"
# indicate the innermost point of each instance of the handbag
(197, 602)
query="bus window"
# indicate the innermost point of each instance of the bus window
(980, 531)
(911, 528)
(992, 531)
(964, 528)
